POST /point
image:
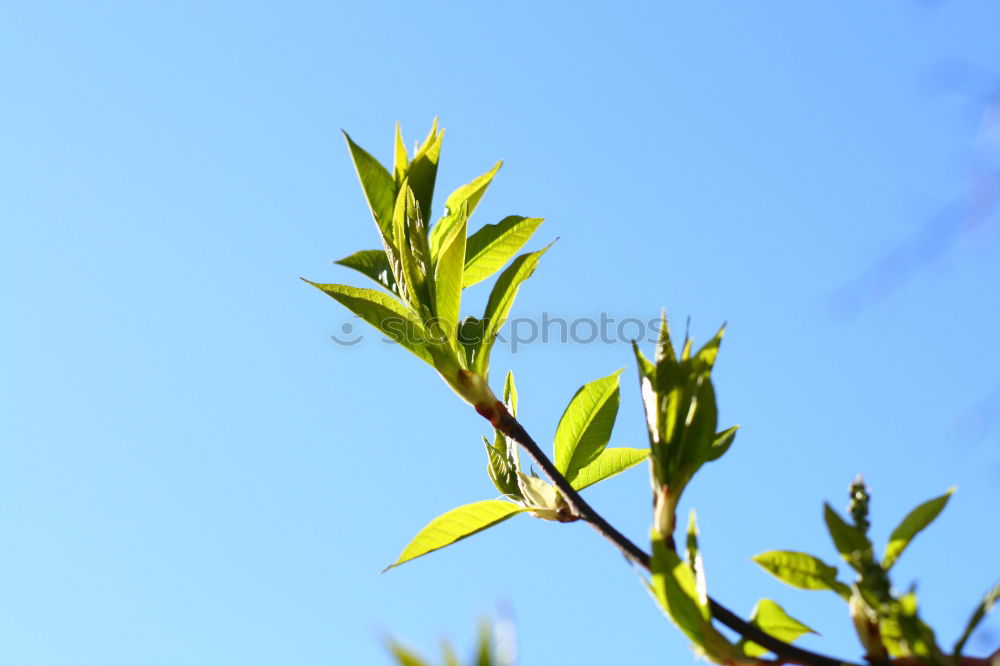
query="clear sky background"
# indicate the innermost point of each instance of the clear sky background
(194, 473)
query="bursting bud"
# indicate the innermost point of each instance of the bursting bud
(472, 388)
(866, 625)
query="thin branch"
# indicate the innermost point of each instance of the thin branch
(508, 425)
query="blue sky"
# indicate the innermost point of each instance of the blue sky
(194, 473)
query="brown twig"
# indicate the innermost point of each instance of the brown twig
(786, 653)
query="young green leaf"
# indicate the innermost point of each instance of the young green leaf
(802, 571)
(650, 403)
(694, 559)
(852, 544)
(705, 358)
(472, 193)
(723, 441)
(585, 426)
(492, 246)
(697, 437)
(675, 588)
(373, 264)
(984, 607)
(456, 525)
(915, 521)
(772, 619)
(422, 172)
(510, 393)
(400, 160)
(384, 313)
(499, 304)
(646, 368)
(448, 281)
(664, 344)
(404, 656)
(448, 654)
(607, 464)
(410, 244)
(377, 184)
(471, 333)
(502, 468)
(469, 195)
(484, 646)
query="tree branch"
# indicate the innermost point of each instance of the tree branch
(508, 425)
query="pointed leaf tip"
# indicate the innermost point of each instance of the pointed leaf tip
(456, 525)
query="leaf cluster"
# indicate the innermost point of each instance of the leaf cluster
(423, 269)
(581, 455)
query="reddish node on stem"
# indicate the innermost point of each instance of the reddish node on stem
(493, 413)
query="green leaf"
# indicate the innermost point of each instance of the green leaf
(772, 619)
(502, 468)
(400, 161)
(404, 656)
(852, 544)
(411, 243)
(585, 426)
(694, 559)
(422, 172)
(373, 264)
(647, 382)
(471, 333)
(456, 525)
(700, 418)
(705, 358)
(484, 646)
(723, 441)
(915, 521)
(802, 571)
(469, 195)
(448, 281)
(608, 463)
(384, 313)
(499, 304)
(472, 193)
(448, 654)
(675, 588)
(378, 185)
(492, 246)
(984, 607)
(664, 344)
(510, 394)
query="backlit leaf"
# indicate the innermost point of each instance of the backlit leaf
(852, 544)
(492, 246)
(915, 521)
(373, 264)
(448, 281)
(469, 195)
(456, 525)
(384, 313)
(422, 172)
(500, 301)
(674, 586)
(984, 607)
(585, 427)
(377, 183)
(802, 571)
(772, 619)
(608, 463)
(723, 441)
